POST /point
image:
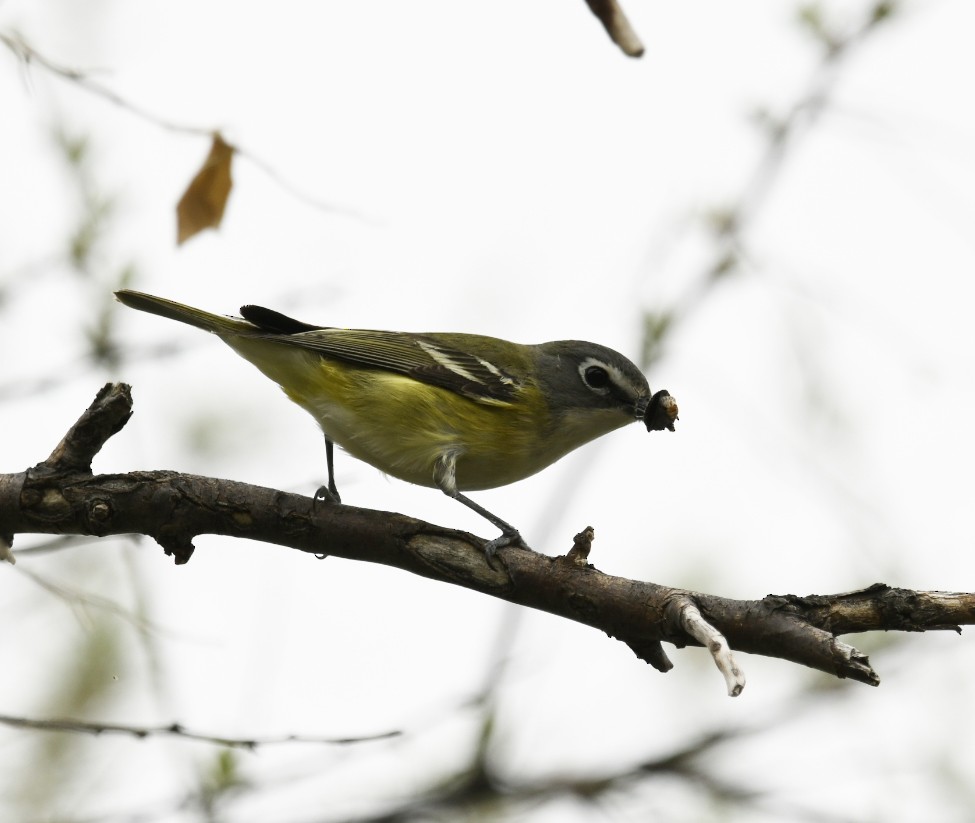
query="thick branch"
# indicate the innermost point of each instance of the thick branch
(61, 496)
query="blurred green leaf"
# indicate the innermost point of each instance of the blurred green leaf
(219, 778)
(57, 761)
(655, 329)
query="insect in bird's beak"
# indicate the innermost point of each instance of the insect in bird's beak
(661, 412)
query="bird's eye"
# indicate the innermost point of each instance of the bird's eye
(596, 377)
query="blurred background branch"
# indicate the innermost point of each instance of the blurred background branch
(727, 225)
(178, 730)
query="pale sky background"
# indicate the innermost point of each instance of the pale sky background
(501, 168)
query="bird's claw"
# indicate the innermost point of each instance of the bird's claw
(512, 538)
(327, 495)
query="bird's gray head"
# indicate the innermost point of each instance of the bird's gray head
(583, 376)
(586, 377)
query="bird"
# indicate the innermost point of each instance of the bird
(453, 411)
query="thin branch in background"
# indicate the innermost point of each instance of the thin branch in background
(57, 544)
(481, 786)
(727, 224)
(803, 115)
(28, 56)
(83, 368)
(178, 730)
(480, 789)
(19, 389)
(304, 197)
(78, 601)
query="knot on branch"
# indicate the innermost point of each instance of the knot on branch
(176, 545)
(581, 546)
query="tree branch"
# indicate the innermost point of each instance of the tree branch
(178, 730)
(617, 26)
(62, 496)
(29, 56)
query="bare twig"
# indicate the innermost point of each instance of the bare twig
(30, 56)
(479, 786)
(617, 26)
(178, 730)
(709, 637)
(81, 601)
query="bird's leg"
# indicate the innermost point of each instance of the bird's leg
(445, 476)
(510, 536)
(329, 493)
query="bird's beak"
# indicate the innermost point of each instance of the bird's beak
(660, 412)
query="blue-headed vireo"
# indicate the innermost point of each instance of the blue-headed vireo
(454, 411)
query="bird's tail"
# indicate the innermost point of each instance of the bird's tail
(217, 323)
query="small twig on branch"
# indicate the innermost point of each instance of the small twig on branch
(709, 637)
(108, 413)
(178, 730)
(62, 496)
(581, 546)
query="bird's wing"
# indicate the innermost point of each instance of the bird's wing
(423, 357)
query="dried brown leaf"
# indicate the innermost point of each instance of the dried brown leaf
(202, 204)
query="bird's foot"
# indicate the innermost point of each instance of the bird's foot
(507, 538)
(327, 495)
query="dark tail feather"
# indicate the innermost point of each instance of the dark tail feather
(271, 321)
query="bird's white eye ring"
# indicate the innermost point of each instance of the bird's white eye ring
(595, 377)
